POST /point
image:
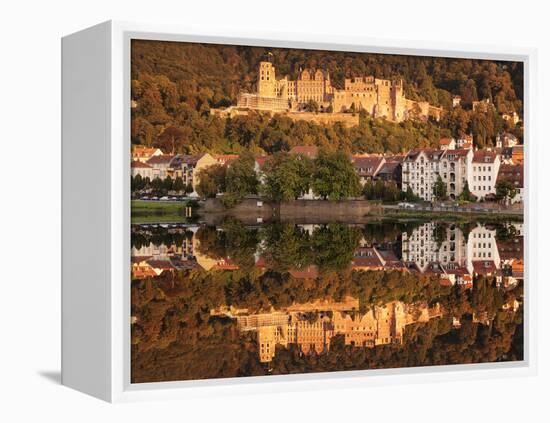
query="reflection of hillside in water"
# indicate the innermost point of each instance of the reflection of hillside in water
(236, 301)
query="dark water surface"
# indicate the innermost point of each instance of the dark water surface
(236, 300)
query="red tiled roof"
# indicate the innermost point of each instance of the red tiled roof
(141, 151)
(389, 167)
(484, 156)
(445, 141)
(460, 152)
(460, 271)
(482, 267)
(261, 160)
(431, 153)
(512, 173)
(139, 259)
(311, 272)
(161, 264)
(367, 165)
(366, 258)
(310, 151)
(260, 262)
(163, 159)
(512, 249)
(225, 158)
(445, 282)
(140, 164)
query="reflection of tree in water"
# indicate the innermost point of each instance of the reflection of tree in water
(175, 336)
(232, 240)
(283, 246)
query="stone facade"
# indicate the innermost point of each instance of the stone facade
(379, 97)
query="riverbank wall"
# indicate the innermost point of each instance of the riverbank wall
(254, 211)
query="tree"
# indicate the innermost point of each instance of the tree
(505, 190)
(189, 188)
(137, 183)
(368, 190)
(157, 184)
(312, 106)
(240, 180)
(170, 139)
(178, 184)
(211, 181)
(286, 176)
(440, 189)
(168, 184)
(466, 195)
(334, 245)
(391, 191)
(440, 233)
(409, 195)
(334, 177)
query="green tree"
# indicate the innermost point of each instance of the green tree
(409, 195)
(240, 180)
(335, 245)
(211, 181)
(334, 177)
(440, 189)
(505, 190)
(157, 185)
(286, 176)
(178, 184)
(137, 183)
(168, 183)
(368, 190)
(466, 195)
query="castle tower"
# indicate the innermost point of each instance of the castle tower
(267, 84)
(398, 100)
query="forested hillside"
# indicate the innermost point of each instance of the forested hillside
(174, 86)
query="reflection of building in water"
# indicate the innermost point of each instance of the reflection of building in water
(429, 249)
(211, 263)
(445, 251)
(313, 331)
(442, 251)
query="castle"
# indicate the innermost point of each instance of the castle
(381, 325)
(379, 97)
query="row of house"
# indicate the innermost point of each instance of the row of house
(461, 165)
(152, 163)
(455, 161)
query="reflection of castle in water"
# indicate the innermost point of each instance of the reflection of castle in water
(444, 252)
(439, 251)
(313, 331)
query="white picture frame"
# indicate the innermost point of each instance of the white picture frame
(96, 226)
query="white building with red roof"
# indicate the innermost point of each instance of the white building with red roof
(160, 165)
(485, 167)
(446, 143)
(420, 171)
(142, 169)
(367, 166)
(142, 153)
